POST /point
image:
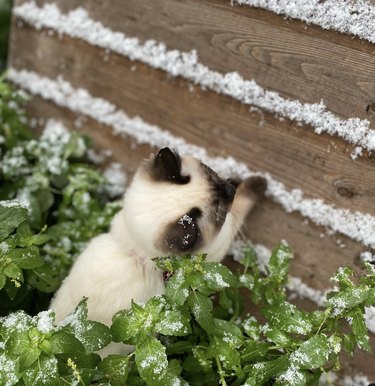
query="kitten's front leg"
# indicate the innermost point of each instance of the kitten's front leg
(249, 192)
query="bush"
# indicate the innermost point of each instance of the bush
(53, 200)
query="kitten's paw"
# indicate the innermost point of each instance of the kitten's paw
(256, 185)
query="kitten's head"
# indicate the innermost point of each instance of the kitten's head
(176, 205)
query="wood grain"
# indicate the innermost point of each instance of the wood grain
(299, 61)
(315, 258)
(320, 165)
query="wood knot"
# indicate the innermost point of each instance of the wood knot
(370, 108)
(345, 192)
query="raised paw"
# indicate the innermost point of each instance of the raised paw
(256, 185)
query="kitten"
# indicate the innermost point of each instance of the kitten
(174, 205)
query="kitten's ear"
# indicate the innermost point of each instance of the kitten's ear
(184, 236)
(167, 167)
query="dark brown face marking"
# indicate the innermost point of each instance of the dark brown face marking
(166, 167)
(223, 193)
(183, 235)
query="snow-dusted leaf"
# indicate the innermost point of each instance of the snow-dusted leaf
(215, 278)
(9, 374)
(228, 332)
(26, 258)
(116, 368)
(64, 342)
(94, 335)
(201, 307)
(254, 351)
(261, 372)
(151, 361)
(278, 337)
(177, 290)
(173, 323)
(312, 354)
(278, 265)
(228, 355)
(360, 330)
(12, 214)
(287, 317)
(348, 298)
(45, 373)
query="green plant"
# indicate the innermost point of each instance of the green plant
(57, 185)
(196, 333)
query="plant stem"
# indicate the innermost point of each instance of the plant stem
(221, 373)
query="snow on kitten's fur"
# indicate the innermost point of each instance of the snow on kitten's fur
(174, 205)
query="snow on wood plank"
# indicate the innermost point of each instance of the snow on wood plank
(353, 17)
(356, 225)
(78, 24)
(292, 154)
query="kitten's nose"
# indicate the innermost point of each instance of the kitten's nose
(230, 191)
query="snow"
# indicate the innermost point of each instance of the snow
(45, 321)
(78, 24)
(116, 180)
(353, 17)
(356, 225)
(356, 380)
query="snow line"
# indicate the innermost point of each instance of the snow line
(295, 284)
(356, 225)
(78, 24)
(355, 17)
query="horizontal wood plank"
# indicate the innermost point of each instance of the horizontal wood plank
(298, 60)
(319, 165)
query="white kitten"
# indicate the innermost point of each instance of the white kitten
(174, 205)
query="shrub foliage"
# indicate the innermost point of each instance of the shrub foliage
(53, 201)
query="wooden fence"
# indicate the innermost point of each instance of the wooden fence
(301, 62)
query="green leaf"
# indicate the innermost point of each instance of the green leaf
(349, 343)
(228, 332)
(151, 360)
(278, 265)
(116, 368)
(26, 258)
(44, 278)
(226, 352)
(254, 351)
(9, 374)
(64, 342)
(173, 323)
(216, 277)
(261, 372)
(278, 337)
(177, 290)
(44, 372)
(287, 317)
(346, 299)
(360, 330)
(27, 358)
(13, 271)
(3, 280)
(201, 307)
(94, 335)
(312, 354)
(12, 214)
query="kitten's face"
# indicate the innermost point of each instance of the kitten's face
(176, 205)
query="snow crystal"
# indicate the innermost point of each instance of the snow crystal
(356, 225)
(78, 24)
(292, 376)
(357, 380)
(217, 278)
(116, 180)
(353, 17)
(8, 369)
(45, 321)
(185, 219)
(18, 321)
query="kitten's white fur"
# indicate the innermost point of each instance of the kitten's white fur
(116, 267)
